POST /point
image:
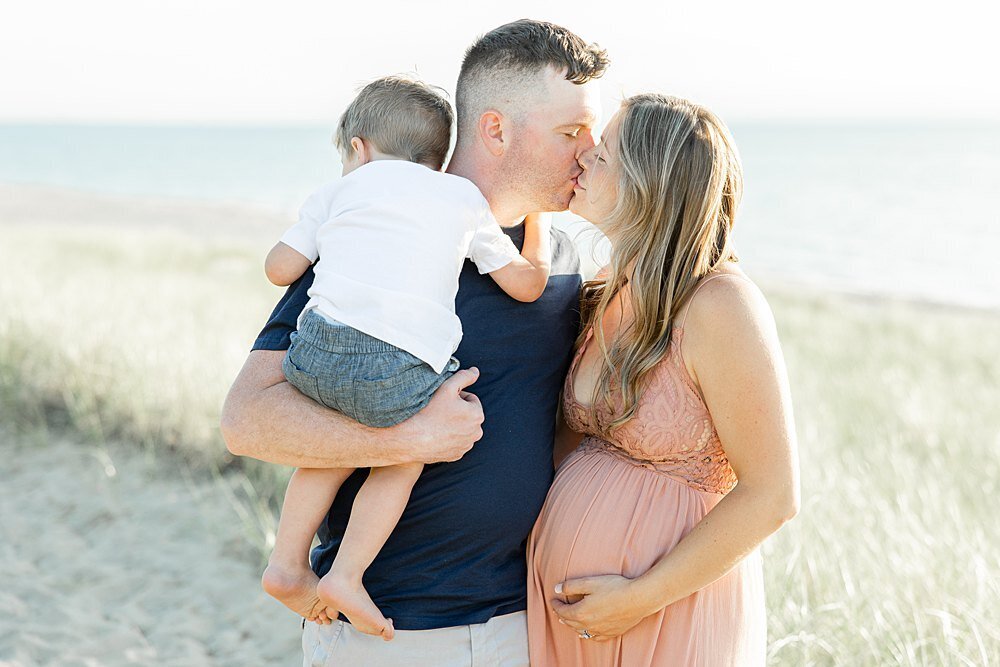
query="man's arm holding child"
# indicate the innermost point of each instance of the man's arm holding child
(266, 418)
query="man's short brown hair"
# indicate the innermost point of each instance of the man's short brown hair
(400, 116)
(519, 50)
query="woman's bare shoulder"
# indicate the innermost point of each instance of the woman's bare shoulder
(727, 309)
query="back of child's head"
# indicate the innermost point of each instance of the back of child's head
(402, 117)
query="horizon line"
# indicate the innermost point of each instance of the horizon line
(846, 120)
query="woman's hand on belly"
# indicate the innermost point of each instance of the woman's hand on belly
(606, 606)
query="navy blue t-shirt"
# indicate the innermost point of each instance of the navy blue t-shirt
(457, 555)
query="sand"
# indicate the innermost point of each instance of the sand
(113, 557)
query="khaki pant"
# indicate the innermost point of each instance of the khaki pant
(500, 642)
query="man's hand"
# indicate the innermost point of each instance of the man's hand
(266, 418)
(448, 426)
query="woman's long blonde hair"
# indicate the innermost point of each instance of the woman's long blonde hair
(680, 183)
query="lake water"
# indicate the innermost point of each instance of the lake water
(906, 210)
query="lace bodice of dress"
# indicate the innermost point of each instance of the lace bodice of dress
(672, 431)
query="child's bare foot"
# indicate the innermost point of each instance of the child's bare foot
(296, 589)
(351, 598)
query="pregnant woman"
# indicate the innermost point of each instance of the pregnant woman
(645, 552)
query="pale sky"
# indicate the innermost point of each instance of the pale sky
(249, 61)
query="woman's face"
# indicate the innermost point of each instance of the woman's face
(596, 191)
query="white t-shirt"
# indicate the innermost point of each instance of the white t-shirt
(391, 238)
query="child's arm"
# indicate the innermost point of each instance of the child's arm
(298, 247)
(525, 278)
(284, 265)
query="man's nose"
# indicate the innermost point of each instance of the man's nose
(586, 143)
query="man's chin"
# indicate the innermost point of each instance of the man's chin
(566, 202)
(572, 205)
(557, 202)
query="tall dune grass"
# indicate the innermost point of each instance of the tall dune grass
(134, 336)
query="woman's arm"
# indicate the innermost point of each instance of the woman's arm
(732, 346)
(266, 418)
(525, 278)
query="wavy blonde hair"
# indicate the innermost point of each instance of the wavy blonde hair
(679, 185)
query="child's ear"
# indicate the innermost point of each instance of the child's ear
(361, 150)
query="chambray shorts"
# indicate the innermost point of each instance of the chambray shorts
(358, 375)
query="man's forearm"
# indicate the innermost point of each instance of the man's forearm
(266, 418)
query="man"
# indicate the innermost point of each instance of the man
(454, 567)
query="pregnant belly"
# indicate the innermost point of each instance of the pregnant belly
(604, 515)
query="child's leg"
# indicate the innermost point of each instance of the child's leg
(288, 576)
(377, 509)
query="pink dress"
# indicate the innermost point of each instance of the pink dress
(616, 506)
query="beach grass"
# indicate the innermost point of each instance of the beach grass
(893, 558)
(133, 335)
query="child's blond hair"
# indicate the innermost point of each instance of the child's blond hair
(400, 116)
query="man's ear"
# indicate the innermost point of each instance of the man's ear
(491, 125)
(361, 150)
